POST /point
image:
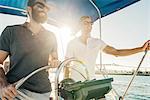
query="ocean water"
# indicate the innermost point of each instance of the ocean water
(139, 89)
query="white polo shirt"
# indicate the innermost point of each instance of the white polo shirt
(85, 53)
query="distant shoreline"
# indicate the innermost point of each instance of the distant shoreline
(140, 73)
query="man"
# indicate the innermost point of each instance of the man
(29, 47)
(85, 48)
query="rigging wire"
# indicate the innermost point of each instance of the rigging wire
(135, 73)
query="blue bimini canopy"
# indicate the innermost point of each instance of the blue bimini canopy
(68, 11)
(69, 7)
(74, 9)
(13, 7)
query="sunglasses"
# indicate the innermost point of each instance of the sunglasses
(41, 5)
(87, 23)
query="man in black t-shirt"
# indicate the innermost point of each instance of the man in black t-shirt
(29, 47)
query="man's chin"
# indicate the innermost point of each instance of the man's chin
(41, 21)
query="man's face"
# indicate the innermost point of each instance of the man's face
(86, 25)
(39, 11)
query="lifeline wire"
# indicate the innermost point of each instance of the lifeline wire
(135, 73)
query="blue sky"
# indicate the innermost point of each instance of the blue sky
(127, 28)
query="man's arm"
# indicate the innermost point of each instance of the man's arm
(67, 70)
(69, 54)
(3, 56)
(126, 52)
(53, 59)
(8, 92)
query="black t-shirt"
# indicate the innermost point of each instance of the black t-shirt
(27, 53)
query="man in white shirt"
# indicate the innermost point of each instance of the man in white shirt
(85, 48)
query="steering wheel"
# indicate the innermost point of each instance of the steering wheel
(60, 67)
(21, 81)
(64, 64)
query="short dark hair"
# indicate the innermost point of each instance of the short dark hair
(32, 2)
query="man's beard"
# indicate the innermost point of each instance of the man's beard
(39, 19)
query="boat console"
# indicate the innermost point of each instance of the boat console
(91, 89)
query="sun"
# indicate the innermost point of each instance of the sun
(65, 30)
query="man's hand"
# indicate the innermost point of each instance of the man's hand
(146, 46)
(8, 92)
(54, 63)
(53, 60)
